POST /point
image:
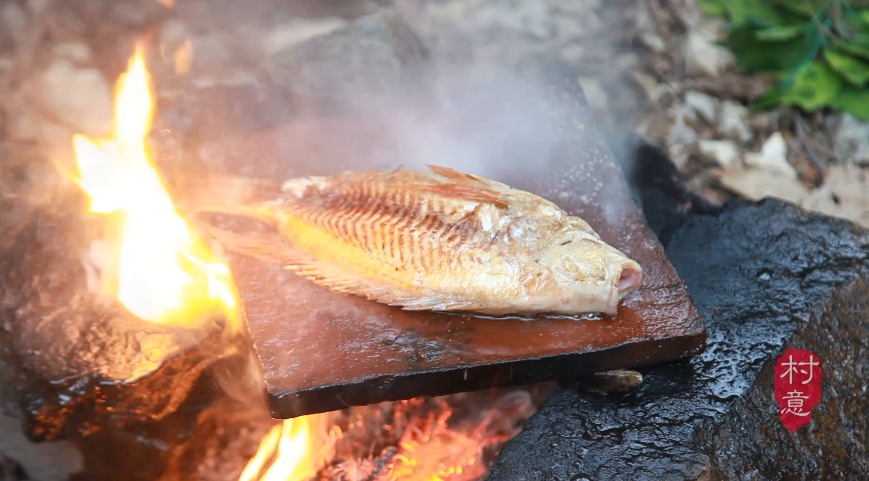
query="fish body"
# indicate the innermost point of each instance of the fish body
(440, 240)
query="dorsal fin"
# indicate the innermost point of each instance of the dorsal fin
(464, 192)
(464, 186)
(451, 173)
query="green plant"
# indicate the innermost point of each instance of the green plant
(817, 50)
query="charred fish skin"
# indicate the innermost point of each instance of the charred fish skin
(443, 240)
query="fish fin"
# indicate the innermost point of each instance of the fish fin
(464, 178)
(464, 192)
(340, 280)
(450, 173)
(464, 186)
(267, 246)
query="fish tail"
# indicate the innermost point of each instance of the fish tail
(226, 194)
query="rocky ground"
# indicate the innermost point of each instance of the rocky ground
(650, 67)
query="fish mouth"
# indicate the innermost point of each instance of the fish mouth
(630, 277)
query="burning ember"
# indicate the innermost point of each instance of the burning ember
(412, 440)
(163, 272)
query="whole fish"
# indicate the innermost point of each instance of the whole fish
(440, 240)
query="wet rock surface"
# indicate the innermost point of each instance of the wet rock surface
(766, 276)
(71, 362)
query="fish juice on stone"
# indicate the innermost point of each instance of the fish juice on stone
(440, 240)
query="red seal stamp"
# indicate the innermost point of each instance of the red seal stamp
(797, 387)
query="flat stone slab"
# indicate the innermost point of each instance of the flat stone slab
(766, 276)
(323, 351)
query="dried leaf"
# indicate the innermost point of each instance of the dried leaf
(845, 193)
(757, 183)
(772, 157)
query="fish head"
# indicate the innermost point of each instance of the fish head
(589, 274)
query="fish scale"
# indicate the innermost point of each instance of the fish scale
(440, 240)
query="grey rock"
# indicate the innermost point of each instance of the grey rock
(733, 121)
(80, 97)
(365, 61)
(55, 461)
(725, 153)
(851, 139)
(702, 56)
(613, 381)
(13, 19)
(76, 52)
(705, 105)
(68, 363)
(681, 136)
(287, 34)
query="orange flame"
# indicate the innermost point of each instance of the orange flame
(425, 448)
(294, 449)
(164, 273)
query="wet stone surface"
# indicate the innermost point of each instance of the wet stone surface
(765, 276)
(72, 363)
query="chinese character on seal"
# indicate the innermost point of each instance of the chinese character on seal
(797, 387)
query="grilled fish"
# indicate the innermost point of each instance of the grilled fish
(440, 240)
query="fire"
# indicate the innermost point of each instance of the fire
(164, 273)
(409, 440)
(291, 446)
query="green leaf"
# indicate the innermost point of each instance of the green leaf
(713, 7)
(755, 12)
(802, 8)
(756, 56)
(855, 71)
(814, 86)
(784, 32)
(858, 45)
(853, 100)
(771, 98)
